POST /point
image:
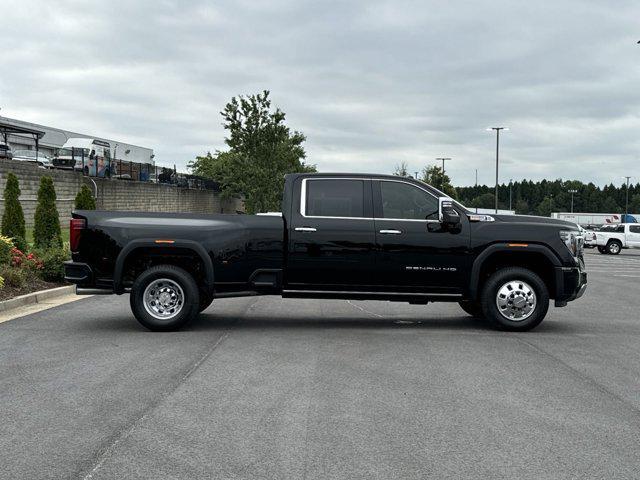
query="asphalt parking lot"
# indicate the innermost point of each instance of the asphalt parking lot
(273, 389)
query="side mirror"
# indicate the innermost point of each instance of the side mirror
(447, 215)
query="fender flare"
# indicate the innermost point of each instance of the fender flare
(151, 243)
(504, 247)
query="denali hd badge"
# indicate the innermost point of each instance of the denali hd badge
(432, 269)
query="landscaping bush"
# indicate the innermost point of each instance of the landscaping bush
(13, 217)
(52, 264)
(85, 200)
(6, 246)
(46, 230)
(13, 277)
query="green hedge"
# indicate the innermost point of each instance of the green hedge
(46, 230)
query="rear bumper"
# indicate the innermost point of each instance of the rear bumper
(78, 273)
(571, 283)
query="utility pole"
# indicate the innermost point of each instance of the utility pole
(572, 191)
(626, 203)
(497, 130)
(444, 159)
(416, 177)
(476, 177)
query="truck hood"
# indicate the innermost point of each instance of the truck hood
(529, 219)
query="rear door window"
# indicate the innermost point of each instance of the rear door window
(334, 198)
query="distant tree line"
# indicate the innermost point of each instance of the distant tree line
(535, 198)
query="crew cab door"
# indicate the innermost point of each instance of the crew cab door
(633, 236)
(414, 251)
(331, 235)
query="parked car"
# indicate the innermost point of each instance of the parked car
(32, 156)
(5, 152)
(613, 240)
(88, 155)
(589, 235)
(342, 236)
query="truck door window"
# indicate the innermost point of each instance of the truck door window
(404, 201)
(634, 228)
(620, 229)
(334, 198)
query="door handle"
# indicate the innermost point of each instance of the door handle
(305, 229)
(391, 232)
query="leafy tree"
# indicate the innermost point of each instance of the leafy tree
(433, 175)
(546, 207)
(611, 206)
(262, 149)
(46, 230)
(13, 218)
(486, 200)
(402, 170)
(84, 199)
(522, 207)
(634, 204)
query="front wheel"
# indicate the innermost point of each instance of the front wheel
(515, 299)
(164, 298)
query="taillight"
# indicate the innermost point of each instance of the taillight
(76, 225)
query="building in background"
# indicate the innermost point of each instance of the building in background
(51, 139)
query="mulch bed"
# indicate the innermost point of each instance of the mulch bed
(33, 285)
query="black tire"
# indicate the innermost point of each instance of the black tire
(472, 308)
(188, 306)
(614, 247)
(499, 280)
(602, 250)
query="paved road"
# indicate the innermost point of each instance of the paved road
(274, 389)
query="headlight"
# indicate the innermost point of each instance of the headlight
(573, 240)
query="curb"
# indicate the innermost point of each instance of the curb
(36, 297)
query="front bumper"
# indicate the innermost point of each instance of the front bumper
(571, 283)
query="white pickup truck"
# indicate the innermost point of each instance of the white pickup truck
(613, 239)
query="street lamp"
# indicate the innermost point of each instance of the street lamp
(572, 191)
(497, 129)
(510, 182)
(626, 203)
(444, 159)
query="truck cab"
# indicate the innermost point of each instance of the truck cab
(89, 155)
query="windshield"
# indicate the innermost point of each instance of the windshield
(66, 152)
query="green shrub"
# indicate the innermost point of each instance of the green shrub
(46, 229)
(13, 277)
(51, 264)
(13, 217)
(6, 246)
(85, 200)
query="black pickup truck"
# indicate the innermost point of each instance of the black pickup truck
(339, 236)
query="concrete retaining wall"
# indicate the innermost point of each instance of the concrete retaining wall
(113, 194)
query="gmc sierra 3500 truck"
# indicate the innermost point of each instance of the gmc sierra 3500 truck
(340, 236)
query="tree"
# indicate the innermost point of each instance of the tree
(546, 206)
(433, 175)
(13, 218)
(522, 207)
(84, 199)
(634, 204)
(46, 230)
(262, 149)
(610, 206)
(402, 170)
(486, 200)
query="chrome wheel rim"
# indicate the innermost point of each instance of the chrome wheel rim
(614, 248)
(163, 299)
(516, 300)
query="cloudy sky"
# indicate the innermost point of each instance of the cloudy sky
(371, 83)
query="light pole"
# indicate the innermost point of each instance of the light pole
(572, 191)
(626, 203)
(497, 129)
(510, 182)
(444, 159)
